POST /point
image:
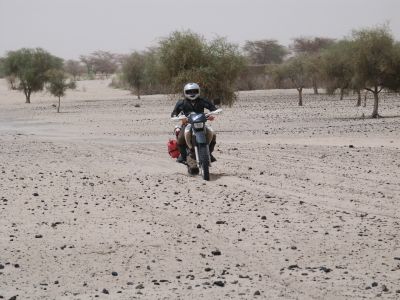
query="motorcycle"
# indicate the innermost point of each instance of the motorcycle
(196, 139)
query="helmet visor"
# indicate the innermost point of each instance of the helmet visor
(192, 92)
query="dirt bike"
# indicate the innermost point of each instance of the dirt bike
(196, 139)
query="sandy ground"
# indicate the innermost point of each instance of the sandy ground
(303, 202)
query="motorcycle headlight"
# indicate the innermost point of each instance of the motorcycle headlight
(198, 125)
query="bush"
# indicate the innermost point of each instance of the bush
(188, 57)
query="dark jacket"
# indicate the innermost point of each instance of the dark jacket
(188, 106)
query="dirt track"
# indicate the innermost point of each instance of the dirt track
(303, 202)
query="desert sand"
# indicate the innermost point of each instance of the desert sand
(303, 202)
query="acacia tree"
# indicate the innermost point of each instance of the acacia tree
(263, 52)
(133, 70)
(30, 67)
(2, 74)
(296, 70)
(58, 83)
(312, 47)
(187, 57)
(74, 68)
(337, 69)
(376, 62)
(100, 62)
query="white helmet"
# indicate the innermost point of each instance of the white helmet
(191, 91)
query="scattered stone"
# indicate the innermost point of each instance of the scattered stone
(16, 266)
(105, 291)
(325, 269)
(35, 194)
(1, 266)
(351, 146)
(293, 248)
(38, 236)
(207, 269)
(384, 288)
(216, 252)
(114, 273)
(13, 297)
(220, 222)
(257, 293)
(140, 287)
(292, 267)
(219, 283)
(129, 283)
(198, 226)
(263, 218)
(374, 284)
(397, 258)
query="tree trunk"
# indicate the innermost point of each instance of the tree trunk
(27, 93)
(59, 103)
(315, 87)
(376, 103)
(300, 90)
(358, 98)
(341, 93)
(365, 98)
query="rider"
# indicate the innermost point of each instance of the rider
(192, 103)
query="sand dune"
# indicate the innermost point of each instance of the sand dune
(303, 202)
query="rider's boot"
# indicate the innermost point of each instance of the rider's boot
(182, 157)
(211, 147)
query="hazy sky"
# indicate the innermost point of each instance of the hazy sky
(69, 28)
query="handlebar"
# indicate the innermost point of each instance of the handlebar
(211, 113)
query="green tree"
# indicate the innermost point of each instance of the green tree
(312, 47)
(133, 71)
(376, 62)
(2, 71)
(58, 83)
(296, 70)
(337, 68)
(188, 57)
(263, 52)
(30, 66)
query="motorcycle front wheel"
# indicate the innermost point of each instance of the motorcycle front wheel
(204, 159)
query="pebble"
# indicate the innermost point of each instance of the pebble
(219, 283)
(325, 269)
(384, 288)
